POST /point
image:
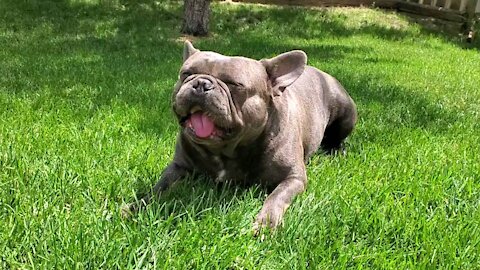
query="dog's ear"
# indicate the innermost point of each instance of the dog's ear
(188, 50)
(284, 69)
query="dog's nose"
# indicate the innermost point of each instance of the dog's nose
(202, 85)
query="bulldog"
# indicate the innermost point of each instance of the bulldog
(250, 122)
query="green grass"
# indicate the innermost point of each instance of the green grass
(85, 123)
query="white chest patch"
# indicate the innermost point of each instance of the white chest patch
(221, 176)
(222, 172)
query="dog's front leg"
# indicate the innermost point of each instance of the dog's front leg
(278, 201)
(170, 175)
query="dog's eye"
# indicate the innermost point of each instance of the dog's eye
(185, 75)
(233, 84)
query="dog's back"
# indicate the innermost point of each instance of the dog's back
(329, 112)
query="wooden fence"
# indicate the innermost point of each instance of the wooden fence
(450, 10)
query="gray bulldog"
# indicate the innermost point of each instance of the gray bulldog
(252, 121)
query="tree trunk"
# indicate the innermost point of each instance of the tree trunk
(196, 15)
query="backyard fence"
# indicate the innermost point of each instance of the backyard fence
(450, 10)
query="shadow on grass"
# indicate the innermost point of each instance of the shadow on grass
(194, 196)
(112, 52)
(302, 23)
(448, 31)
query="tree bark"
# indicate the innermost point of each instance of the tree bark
(196, 17)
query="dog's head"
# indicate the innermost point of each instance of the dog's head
(221, 100)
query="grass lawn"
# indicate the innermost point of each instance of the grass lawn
(85, 123)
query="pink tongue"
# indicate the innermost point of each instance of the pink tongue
(202, 125)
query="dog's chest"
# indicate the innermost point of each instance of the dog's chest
(232, 169)
(241, 170)
(243, 167)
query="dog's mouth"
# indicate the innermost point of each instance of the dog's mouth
(201, 126)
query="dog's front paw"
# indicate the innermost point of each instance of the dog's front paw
(269, 217)
(128, 210)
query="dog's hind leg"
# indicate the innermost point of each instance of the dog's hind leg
(338, 130)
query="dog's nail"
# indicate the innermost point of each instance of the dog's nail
(125, 211)
(259, 231)
(256, 229)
